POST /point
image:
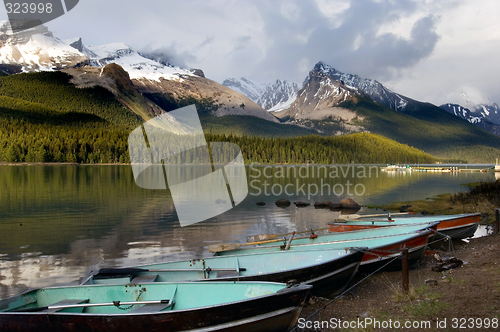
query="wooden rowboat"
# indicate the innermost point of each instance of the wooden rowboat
(328, 270)
(222, 306)
(381, 244)
(455, 226)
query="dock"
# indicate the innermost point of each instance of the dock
(436, 169)
(448, 169)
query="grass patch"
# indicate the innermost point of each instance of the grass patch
(482, 197)
(420, 302)
(425, 308)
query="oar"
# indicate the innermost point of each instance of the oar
(357, 216)
(232, 246)
(265, 237)
(80, 305)
(287, 247)
(132, 270)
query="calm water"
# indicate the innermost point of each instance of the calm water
(57, 223)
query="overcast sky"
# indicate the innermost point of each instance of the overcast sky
(426, 50)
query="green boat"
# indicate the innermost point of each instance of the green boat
(208, 306)
(381, 244)
(456, 226)
(328, 270)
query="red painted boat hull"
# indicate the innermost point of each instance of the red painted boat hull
(456, 228)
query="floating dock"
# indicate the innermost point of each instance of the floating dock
(447, 169)
(437, 169)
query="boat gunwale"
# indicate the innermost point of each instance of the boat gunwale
(340, 250)
(410, 250)
(416, 232)
(353, 251)
(393, 224)
(283, 291)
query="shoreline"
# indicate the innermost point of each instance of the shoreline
(470, 292)
(2, 163)
(449, 296)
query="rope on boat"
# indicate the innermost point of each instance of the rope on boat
(444, 238)
(348, 289)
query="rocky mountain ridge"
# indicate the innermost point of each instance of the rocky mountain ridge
(271, 97)
(37, 49)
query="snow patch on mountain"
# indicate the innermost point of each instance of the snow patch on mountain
(278, 96)
(36, 49)
(320, 98)
(477, 105)
(461, 112)
(135, 64)
(78, 44)
(376, 90)
(245, 86)
(271, 97)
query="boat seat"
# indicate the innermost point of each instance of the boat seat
(67, 302)
(148, 308)
(144, 279)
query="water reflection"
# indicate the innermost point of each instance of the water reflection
(60, 222)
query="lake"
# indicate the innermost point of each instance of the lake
(59, 222)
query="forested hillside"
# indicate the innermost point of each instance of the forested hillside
(44, 118)
(430, 129)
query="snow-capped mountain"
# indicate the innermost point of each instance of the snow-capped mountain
(78, 44)
(480, 118)
(152, 82)
(462, 112)
(151, 77)
(271, 97)
(474, 106)
(136, 65)
(372, 88)
(35, 49)
(249, 88)
(320, 97)
(278, 96)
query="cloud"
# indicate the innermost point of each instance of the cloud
(413, 46)
(353, 45)
(168, 54)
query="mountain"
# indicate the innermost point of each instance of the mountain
(35, 49)
(462, 112)
(473, 106)
(479, 119)
(278, 96)
(271, 97)
(374, 89)
(145, 85)
(333, 106)
(249, 88)
(319, 98)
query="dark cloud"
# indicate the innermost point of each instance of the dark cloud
(265, 40)
(350, 43)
